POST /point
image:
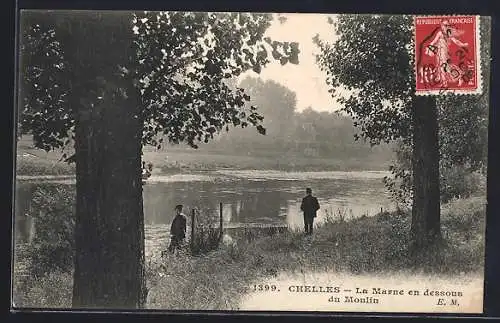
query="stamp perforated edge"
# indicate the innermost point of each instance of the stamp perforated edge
(477, 39)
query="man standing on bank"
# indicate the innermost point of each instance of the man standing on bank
(309, 206)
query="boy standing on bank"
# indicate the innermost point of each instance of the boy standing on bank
(178, 229)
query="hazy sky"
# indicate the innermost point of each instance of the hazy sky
(306, 79)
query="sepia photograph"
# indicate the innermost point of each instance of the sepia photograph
(244, 161)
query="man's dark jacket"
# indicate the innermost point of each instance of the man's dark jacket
(309, 206)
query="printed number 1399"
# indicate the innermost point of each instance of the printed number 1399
(265, 288)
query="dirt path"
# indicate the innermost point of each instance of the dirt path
(289, 297)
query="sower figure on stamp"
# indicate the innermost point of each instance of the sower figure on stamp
(439, 47)
(309, 206)
(177, 230)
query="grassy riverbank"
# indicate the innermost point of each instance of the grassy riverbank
(366, 245)
(219, 279)
(180, 160)
(31, 161)
(41, 163)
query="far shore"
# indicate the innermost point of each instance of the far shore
(34, 162)
(198, 175)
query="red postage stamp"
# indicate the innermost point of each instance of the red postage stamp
(447, 55)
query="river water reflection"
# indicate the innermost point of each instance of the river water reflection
(265, 197)
(248, 197)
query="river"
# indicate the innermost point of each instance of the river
(248, 198)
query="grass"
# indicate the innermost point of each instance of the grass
(182, 160)
(218, 280)
(365, 245)
(178, 161)
(40, 163)
(31, 161)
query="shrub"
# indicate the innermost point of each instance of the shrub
(458, 182)
(54, 290)
(207, 238)
(52, 247)
(455, 182)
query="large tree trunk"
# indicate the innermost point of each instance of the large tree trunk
(425, 225)
(109, 233)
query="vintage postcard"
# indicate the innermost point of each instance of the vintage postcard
(251, 161)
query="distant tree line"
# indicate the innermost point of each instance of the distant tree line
(311, 133)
